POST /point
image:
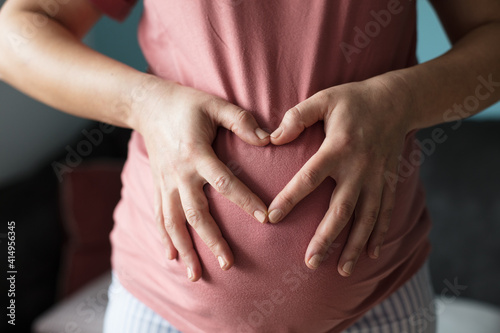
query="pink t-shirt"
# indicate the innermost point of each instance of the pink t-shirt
(266, 56)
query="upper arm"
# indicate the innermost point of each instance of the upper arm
(462, 16)
(78, 16)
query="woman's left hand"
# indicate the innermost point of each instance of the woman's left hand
(365, 126)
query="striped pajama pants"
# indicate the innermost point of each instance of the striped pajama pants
(410, 309)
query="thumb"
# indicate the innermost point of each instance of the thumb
(240, 122)
(298, 118)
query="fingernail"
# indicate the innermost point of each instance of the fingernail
(277, 132)
(190, 273)
(260, 216)
(347, 268)
(222, 262)
(261, 133)
(376, 252)
(315, 260)
(275, 215)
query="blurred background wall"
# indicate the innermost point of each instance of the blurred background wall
(50, 130)
(32, 136)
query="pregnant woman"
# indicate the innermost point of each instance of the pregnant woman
(272, 177)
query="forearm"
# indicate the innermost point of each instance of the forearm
(454, 85)
(52, 65)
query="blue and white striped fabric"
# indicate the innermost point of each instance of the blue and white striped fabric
(408, 310)
(126, 314)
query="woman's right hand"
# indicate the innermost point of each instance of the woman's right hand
(179, 124)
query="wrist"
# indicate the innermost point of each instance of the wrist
(144, 97)
(405, 104)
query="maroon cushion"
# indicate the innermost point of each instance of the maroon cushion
(89, 195)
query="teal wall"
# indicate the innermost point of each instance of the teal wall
(119, 39)
(433, 42)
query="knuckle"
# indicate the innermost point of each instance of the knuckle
(344, 210)
(193, 216)
(184, 171)
(223, 184)
(234, 167)
(348, 143)
(383, 230)
(382, 233)
(211, 104)
(166, 178)
(386, 215)
(323, 96)
(169, 224)
(345, 141)
(323, 242)
(176, 168)
(185, 255)
(164, 239)
(287, 201)
(369, 219)
(246, 202)
(185, 149)
(294, 116)
(310, 178)
(240, 118)
(357, 247)
(212, 243)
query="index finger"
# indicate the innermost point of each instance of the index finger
(218, 175)
(309, 177)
